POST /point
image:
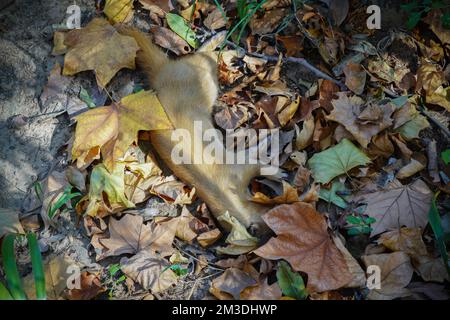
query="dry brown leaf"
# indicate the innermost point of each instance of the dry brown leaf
(56, 86)
(410, 169)
(150, 271)
(399, 205)
(268, 22)
(358, 274)
(262, 291)
(408, 240)
(208, 238)
(362, 122)
(303, 240)
(90, 287)
(381, 146)
(396, 273)
(231, 117)
(430, 269)
(99, 47)
(168, 39)
(165, 5)
(119, 11)
(58, 43)
(215, 20)
(289, 195)
(355, 77)
(233, 281)
(327, 92)
(9, 222)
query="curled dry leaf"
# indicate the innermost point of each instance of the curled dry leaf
(303, 240)
(396, 273)
(362, 121)
(150, 271)
(99, 47)
(289, 195)
(355, 77)
(410, 169)
(239, 240)
(233, 281)
(90, 287)
(208, 238)
(399, 205)
(168, 39)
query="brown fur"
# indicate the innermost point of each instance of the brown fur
(187, 89)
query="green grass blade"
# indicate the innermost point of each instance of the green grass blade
(4, 293)
(10, 268)
(66, 196)
(38, 267)
(436, 225)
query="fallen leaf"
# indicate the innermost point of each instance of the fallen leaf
(215, 20)
(168, 39)
(102, 183)
(90, 287)
(293, 44)
(408, 240)
(262, 291)
(399, 205)
(411, 129)
(233, 281)
(290, 282)
(239, 240)
(396, 273)
(268, 22)
(127, 235)
(362, 121)
(430, 269)
(151, 272)
(119, 11)
(99, 47)
(208, 238)
(303, 240)
(55, 89)
(355, 77)
(410, 169)
(289, 195)
(335, 161)
(114, 128)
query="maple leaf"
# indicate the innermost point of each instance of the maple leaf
(152, 273)
(102, 183)
(119, 11)
(396, 273)
(303, 240)
(363, 122)
(114, 128)
(233, 281)
(99, 47)
(335, 161)
(399, 205)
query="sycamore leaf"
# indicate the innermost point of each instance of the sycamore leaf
(90, 287)
(127, 235)
(335, 161)
(131, 235)
(151, 272)
(112, 184)
(362, 121)
(101, 48)
(332, 196)
(262, 291)
(239, 240)
(408, 240)
(182, 28)
(114, 128)
(303, 240)
(119, 11)
(396, 273)
(412, 128)
(233, 281)
(290, 282)
(399, 205)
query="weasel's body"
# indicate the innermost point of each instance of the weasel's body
(187, 89)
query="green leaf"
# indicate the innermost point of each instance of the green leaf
(413, 19)
(331, 195)
(410, 6)
(86, 98)
(435, 221)
(336, 160)
(290, 282)
(445, 20)
(400, 101)
(353, 220)
(38, 267)
(113, 269)
(445, 155)
(182, 28)
(412, 128)
(4, 293)
(10, 267)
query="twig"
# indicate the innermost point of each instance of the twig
(196, 259)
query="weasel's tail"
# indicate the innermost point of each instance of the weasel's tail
(150, 57)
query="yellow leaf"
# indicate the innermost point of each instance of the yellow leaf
(114, 128)
(101, 48)
(119, 11)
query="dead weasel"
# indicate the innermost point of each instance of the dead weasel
(187, 89)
